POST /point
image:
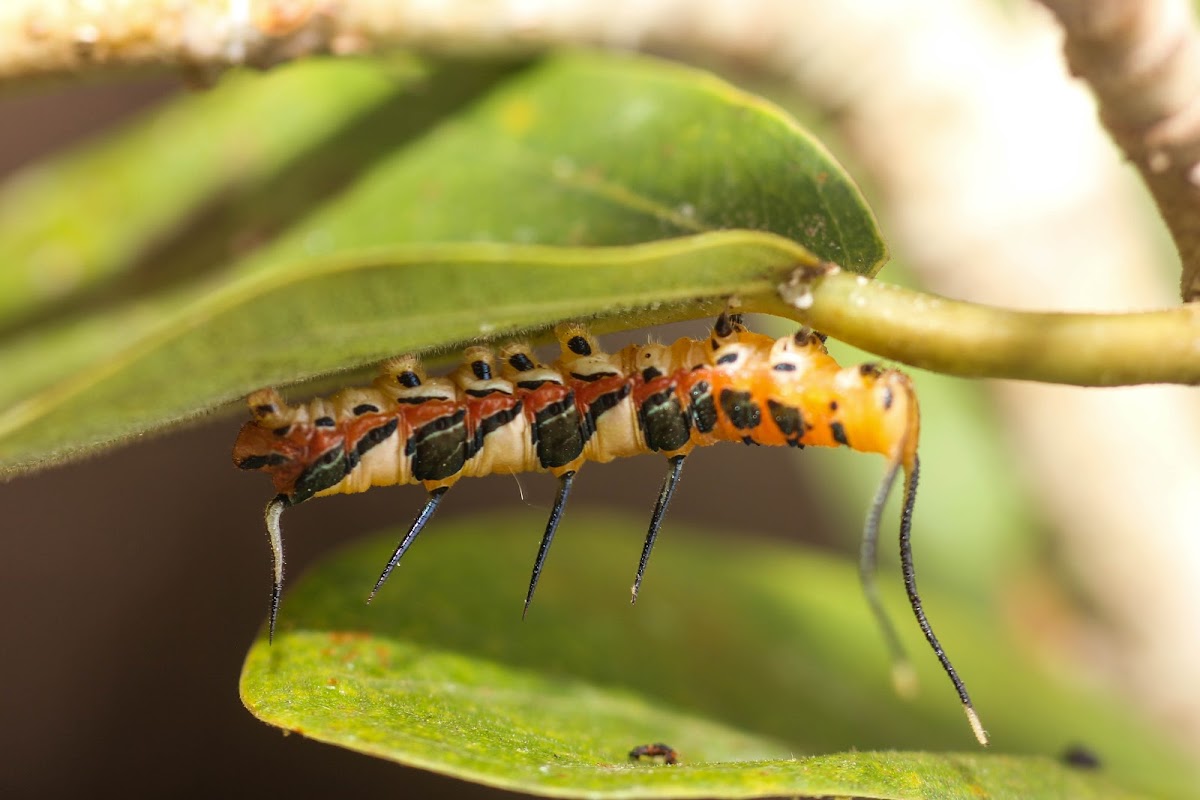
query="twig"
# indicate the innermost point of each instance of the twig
(1142, 60)
(53, 37)
(959, 338)
(40, 38)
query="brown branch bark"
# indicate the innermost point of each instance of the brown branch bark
(40, 38)
(1142, 60)
(45, 38)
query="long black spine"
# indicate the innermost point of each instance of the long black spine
(560, 502)
(660, 509)
(431, 505)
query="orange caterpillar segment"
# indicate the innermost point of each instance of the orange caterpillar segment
(508, 413)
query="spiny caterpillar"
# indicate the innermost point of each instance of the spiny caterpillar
(512, 414)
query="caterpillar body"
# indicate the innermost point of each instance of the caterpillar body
(507, 413)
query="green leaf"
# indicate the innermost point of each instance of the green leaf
(72, 223)
(586, 149)
(276, 327)
(439, 244)
(748, 659)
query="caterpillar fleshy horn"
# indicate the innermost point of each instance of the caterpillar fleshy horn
(508, 413)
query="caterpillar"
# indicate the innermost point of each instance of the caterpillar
(507, 413)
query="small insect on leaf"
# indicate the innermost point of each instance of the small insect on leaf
(658, 753)
(1080, 757)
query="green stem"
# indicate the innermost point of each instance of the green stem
(970, 340)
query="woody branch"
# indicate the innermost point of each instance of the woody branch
(41, 38)
(1142, 60)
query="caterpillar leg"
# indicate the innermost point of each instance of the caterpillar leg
(560, 502)
(431, 505)
(660, 509)
(272, 514)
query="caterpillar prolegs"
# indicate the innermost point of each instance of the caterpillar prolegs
(507, 413)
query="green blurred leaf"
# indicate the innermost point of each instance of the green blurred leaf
(73, 222)
(746, 658)
(432, 248)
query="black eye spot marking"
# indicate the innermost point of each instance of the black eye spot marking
(560, 437)
(650, 373)
(789, 420)
(838, 433)
(595, 376)
(870, 370)
(715, 344)
(323, 473)
(833, 406)
(258, 462)
(282, 431)
(375, 436)
(365, 408)
(579, 346)
(805, 336)
(704, 410)
(439, 447)
(723, 326)
(665, 423)
(324, 422)
(408, 379)
(520, 362)
(740, 408)
(784, 366)
(482, 370)
(264, 409)
(728, 358)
